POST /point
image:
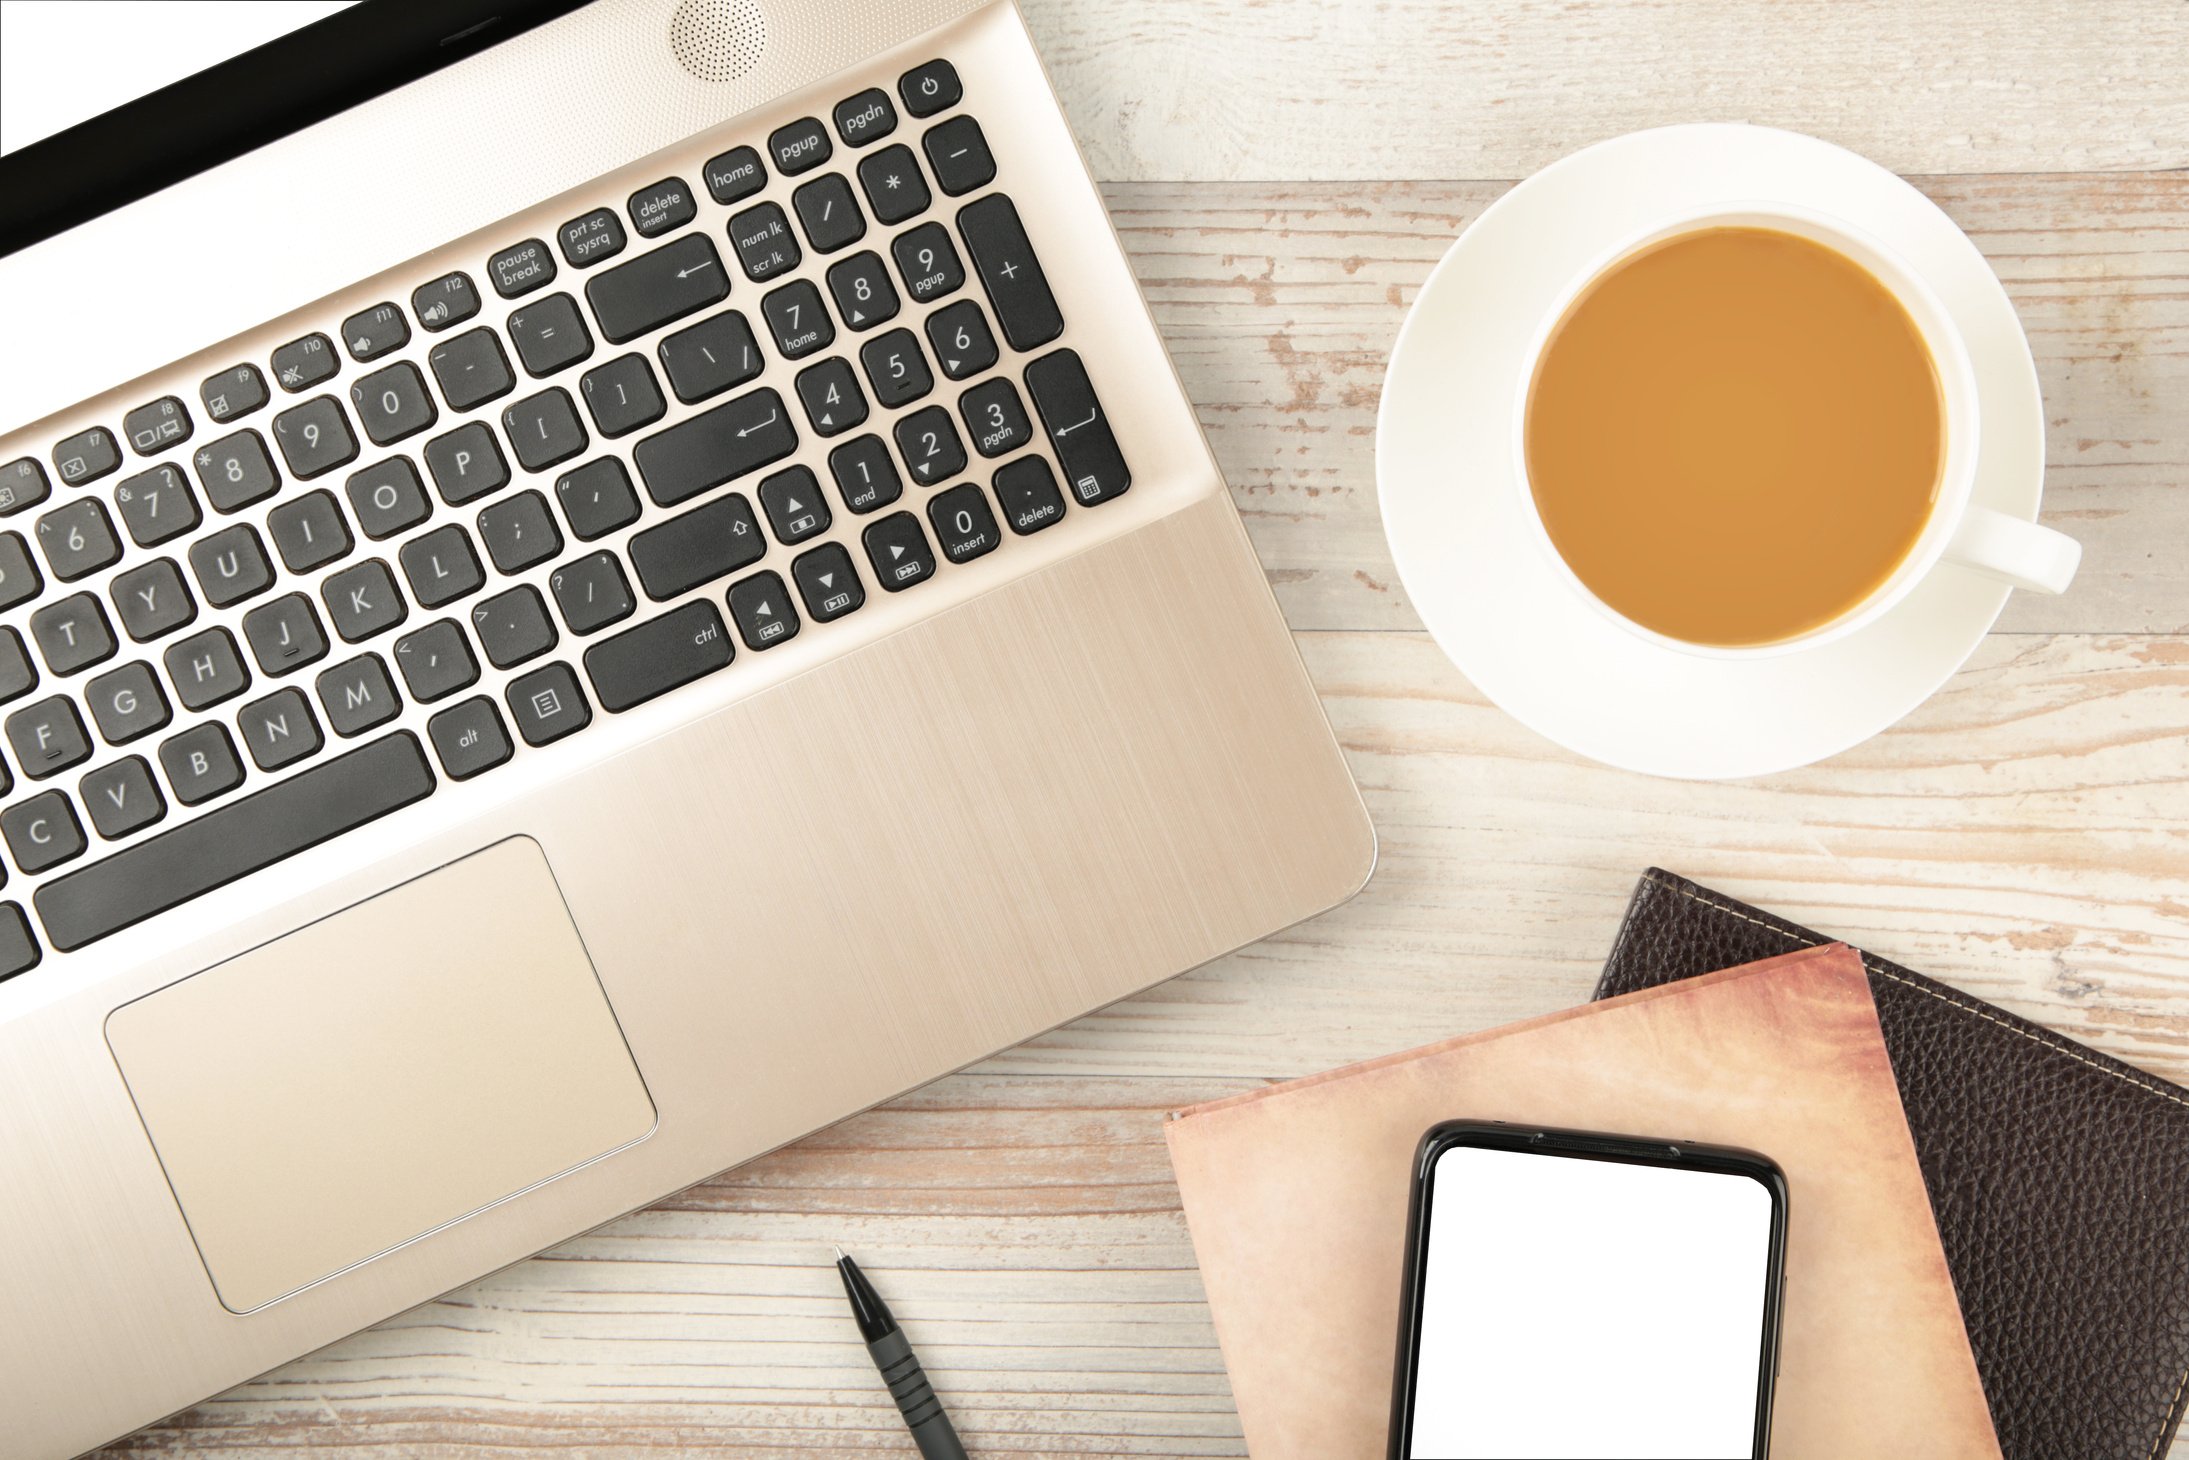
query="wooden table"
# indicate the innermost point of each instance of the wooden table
(1284, 173)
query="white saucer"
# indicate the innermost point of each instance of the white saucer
(1490, 595)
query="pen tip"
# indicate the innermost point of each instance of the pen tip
(839, 1254)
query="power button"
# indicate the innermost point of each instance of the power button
(930, 88)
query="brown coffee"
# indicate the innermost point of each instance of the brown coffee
(1735, 436)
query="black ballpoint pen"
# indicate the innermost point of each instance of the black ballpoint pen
(901, 1371)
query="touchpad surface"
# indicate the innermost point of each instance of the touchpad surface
(382, 1072)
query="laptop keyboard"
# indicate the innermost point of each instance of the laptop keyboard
(372, 515)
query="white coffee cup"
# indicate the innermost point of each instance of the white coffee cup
(1958, 531)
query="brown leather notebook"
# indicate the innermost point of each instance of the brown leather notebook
(2060, 1180)
(1297, 1199)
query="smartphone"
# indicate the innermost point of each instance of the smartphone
(1577, 1296)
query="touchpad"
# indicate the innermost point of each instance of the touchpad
(391, 1068)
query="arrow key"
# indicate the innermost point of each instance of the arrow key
(828, 582)
(795, 507)
(761, 608)
(899, 551)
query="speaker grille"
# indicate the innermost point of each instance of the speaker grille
(718, 40)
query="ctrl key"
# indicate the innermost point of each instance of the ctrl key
(18, 949)
(659, 655)
(469, 738)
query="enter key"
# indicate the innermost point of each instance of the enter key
(1077, 427)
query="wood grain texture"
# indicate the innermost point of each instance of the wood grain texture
(2024, 835)
(1348, 89)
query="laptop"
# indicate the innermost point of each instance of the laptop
(585, 589)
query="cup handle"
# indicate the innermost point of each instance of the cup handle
(2014, 551)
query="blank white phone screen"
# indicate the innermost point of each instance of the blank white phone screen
(1583, 1308)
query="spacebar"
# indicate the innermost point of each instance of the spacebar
(235, 841)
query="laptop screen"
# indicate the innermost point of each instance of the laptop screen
(177, 88)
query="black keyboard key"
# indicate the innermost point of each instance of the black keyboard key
(928, 263)
(544, 429)
(864, 296)
(236, 471)
(735, 175)
(799, 147)
(830, 213)
(548, 704)
(371, 333)
(794, 504)
(19, 578)
(963, 345)
(519, 533)
(152, 599)
(865, 476)
(867, 117)
(964, 527)
(18, 676)
(513, 626)
(591, 593)
(436, 661)
(78, 538)
(301, 364)
(201, 763)
(896, 368)
(392, 403)
(521, 269)
(549, 336)
(828, 582)
(467, 463)
(285, 635)
(830, 393)
(213, 850)
(87, 456)
(48, 737)
(358, 695)
(441, 566)
(470, 738)
(152, 429)
(18, 948)
(363, 601)
(43, 831)
(895, 189)
(279, 730)
(314, 437)
(127, 703)
(929, 445)
(995, 418)
(958, 152)
(472, 369)
(233, 393)
(714, 447)
(448, 300)
(930, 88)
(205, 669)
(597, 498)
(662, 654)
(760, 606)
(1080, 432)
(1004, 257)
(622, 395)
(22, 484)
(72, 633)
(797, 319)
(309, 532)
(710, 357)
(899, 551)
(1026, 491)
(709, 542)
(657, 288)
(122, 797)
(588, 240)
(231, 565)
(388, 498)
(156, 505)
(663, 208)
(761, 235)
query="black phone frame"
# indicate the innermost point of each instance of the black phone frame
(1588, 1146)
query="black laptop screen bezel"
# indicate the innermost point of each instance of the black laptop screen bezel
(243, 103)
